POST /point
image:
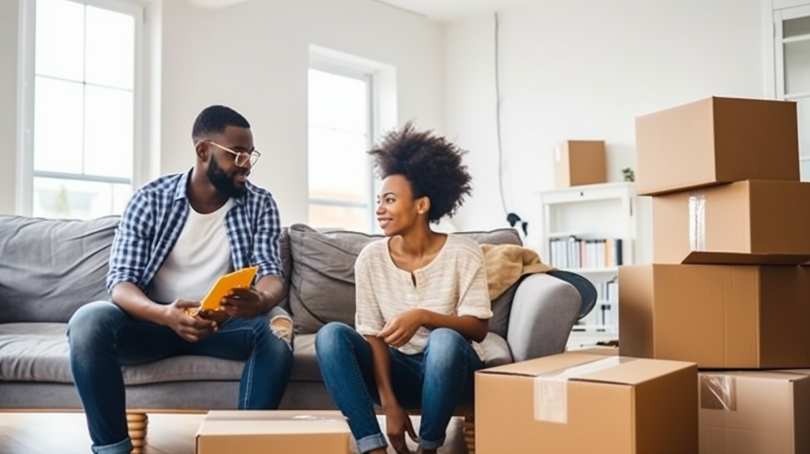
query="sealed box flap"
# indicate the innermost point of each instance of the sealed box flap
(272, 423)
(633, 371)
(733, 258)
(599, 350)
(802, 372)
(545, 365)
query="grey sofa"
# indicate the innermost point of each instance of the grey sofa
(49, 268)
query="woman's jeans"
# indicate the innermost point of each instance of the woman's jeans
(437, 380)
(103, 337)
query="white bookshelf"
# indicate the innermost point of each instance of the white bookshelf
(591, 230)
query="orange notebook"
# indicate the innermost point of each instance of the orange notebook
(238, 279)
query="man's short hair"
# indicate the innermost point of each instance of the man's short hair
(214, 120)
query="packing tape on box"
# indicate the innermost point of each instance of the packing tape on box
(697, 221)
(718, 392)
(551, 390)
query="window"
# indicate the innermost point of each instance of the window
(792, 69)
(83, 108)
(340, 119)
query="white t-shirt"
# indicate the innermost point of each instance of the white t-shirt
(454, 283)
(202, 254)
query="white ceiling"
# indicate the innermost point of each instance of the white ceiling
(454, 9)
(433, 9)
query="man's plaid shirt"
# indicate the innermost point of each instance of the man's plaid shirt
(156, 214)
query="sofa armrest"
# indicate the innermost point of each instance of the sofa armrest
(543, 312)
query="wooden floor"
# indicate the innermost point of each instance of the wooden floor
(66, 433)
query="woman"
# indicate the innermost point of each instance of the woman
(422, 303)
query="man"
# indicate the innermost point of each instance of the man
(178, 234)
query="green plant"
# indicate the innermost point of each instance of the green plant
(628, 174)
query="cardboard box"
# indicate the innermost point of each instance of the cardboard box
(716, 140)
(578, 162)
(576, 403)
(597, 350)
(750, 222)
(291, 432)
(754, 412)
(719, 316)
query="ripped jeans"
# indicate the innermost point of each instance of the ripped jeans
(103, 337)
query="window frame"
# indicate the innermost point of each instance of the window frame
(776, 13)
(26, 99)
(367, 75)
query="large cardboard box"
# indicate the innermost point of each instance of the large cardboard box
(578, 162)
(754, 412)
(576, 403)
(597, 350)
(751, 222)
(719, 316)
(716, 140)
(259, 432)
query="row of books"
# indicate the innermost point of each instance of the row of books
(606, 312)
(573, 252)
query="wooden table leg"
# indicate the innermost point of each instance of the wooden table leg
(469, 432)
(136, 425)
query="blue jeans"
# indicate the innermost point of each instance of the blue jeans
(103, 337)
(436, 381)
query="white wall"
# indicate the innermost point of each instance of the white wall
(584, 69)
(9, 27)
(254, 57)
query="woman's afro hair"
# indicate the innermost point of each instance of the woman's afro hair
(430, 163)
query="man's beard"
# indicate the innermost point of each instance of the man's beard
(224, 183)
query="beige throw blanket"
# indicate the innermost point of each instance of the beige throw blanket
(506, 263)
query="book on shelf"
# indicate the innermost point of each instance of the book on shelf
(605, 314)
(575, 252)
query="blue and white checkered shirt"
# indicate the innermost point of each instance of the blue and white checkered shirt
(156, 214)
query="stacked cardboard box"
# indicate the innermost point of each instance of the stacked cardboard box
(587, 402)
(578, 162)
(263, 431)
(726, 289)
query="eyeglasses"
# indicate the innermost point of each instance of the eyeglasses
(242, 157)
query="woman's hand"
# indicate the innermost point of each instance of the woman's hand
(397, 423)
(400, 329)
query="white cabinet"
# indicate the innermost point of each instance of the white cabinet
(791, 50)
(591, 230)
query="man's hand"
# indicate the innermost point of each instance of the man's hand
(244, 303)
(397, 423)
(400, 329)
(189, 328)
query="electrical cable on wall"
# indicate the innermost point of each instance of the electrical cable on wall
(511, 218)
(498, 112)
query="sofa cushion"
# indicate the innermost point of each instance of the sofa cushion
(322, 278)
(286, 265)
(305, 368)
(39, 352)
(502, 305)
(496, 351)
(50, 268)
